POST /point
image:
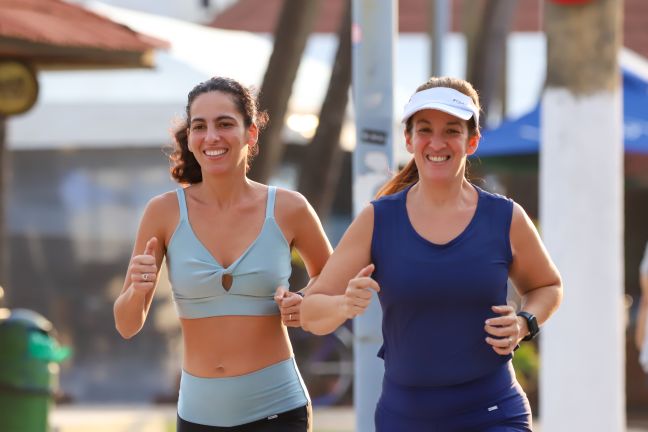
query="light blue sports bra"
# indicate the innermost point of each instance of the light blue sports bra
(196, 277)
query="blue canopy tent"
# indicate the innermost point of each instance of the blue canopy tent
(521, 136)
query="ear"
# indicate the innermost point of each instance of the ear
(253, 135)
(473, 143)
(408, 142)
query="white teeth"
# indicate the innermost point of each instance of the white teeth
(437, 158)
(215, 152)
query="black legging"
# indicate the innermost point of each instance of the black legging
(290, 421)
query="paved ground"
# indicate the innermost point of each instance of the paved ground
(145, 418)
(100, 418)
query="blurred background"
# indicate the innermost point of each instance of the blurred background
(79, 165)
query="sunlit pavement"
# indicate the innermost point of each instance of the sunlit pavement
(161, 418)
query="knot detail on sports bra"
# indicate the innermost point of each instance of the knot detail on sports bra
(197, 278)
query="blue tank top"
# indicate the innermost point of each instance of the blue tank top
(435, 298)
(196, 277)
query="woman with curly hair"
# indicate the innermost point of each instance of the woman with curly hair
(227, 241)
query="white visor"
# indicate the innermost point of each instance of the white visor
(443, 99)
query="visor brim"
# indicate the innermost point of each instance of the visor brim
(459, 112)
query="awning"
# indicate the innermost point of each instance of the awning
(52, 34)
(522, 135)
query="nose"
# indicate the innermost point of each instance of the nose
(212, 133)
(437, 142)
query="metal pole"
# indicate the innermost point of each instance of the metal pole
(440, 25)
(374, 40)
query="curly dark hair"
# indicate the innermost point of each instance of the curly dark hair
(184, 166)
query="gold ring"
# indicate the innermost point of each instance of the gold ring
(289, 317)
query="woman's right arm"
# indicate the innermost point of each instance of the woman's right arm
(132, 305)
(344, 288)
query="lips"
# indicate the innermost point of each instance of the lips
(215, 152)
(437, 159)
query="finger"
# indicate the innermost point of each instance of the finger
(502, 351)
(502, 343)
(366, 272)
(357, 310)
(359, 293)
(294, 311)
(290, 319)
(139, 284)
(364, 283)
(293, 321)
(280, 293)
(503, 309)
(359, 301)
(291, 300)
(142, 260)
(142, 268)
(143, 277)
(151, 245)
(497, 331)
(505, 320)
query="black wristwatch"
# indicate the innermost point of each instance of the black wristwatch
(532, 324)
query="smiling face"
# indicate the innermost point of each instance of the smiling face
(217, 135)
(440, 143)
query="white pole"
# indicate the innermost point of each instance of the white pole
(374, 39)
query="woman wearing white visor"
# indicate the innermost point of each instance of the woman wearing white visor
(439, 251)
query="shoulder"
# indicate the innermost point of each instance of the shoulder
(163, 203)
(291, 203)
(493, 197)
(521, 224)
(497, 206)
(366, 215)
(162, 210)
(390, 200)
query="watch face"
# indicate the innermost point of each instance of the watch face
(532, 324)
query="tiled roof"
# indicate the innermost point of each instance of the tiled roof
(261, 16)
(36, 24)
(635, 26)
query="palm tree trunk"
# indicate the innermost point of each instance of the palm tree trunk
(293, 28)
(581, 212)
(320, 171)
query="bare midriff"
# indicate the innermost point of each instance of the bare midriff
(225, 346)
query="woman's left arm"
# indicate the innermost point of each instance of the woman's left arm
(536, 279)
(533, 273)
(314, 248)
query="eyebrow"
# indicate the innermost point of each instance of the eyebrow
(219, 118)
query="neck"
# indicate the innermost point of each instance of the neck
(443, 195)
(224, 191)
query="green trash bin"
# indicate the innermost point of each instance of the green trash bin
(29, 358)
